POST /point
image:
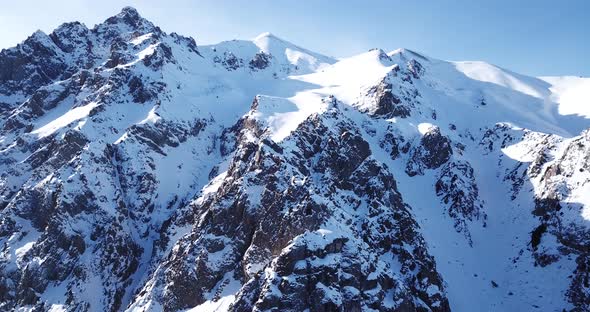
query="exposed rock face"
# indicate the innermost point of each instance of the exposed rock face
(229, 61)
(139, 172)
(559, 215)
(434, 150)
(393, 96)
(34, 63)
(260, 61)
(458, 189)
(332, 238)
(393, 143)
(388, 103)
(557, 169)
(415, 68)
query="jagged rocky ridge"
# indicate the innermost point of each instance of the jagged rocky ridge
(141, 172)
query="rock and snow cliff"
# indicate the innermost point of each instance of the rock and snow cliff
(141, 172)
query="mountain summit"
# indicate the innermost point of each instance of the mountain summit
(140, 171)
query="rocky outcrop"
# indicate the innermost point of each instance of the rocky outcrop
(269, 214)
(34, 63)
(433, 151)
(260, 61)
(458, 190)
(229, 61)
(391, 97)
(559, 215)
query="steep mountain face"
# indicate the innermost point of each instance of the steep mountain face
(141, 172)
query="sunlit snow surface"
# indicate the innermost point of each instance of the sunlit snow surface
(572, 94)
(72, 115)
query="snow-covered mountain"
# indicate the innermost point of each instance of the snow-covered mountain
(141, 172)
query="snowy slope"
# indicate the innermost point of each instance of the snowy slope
(142, 172)
(571, 93)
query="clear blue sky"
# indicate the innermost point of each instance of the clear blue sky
(539, 37)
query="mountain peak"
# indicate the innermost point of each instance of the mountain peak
(274, 45)
(129, 16)
(128, 20)
(266, 34)
(403, 52)
(41, 37)
(267, 38)
(129, 11)
(39, 34)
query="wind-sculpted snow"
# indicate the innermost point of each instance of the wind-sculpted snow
(141, 172)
